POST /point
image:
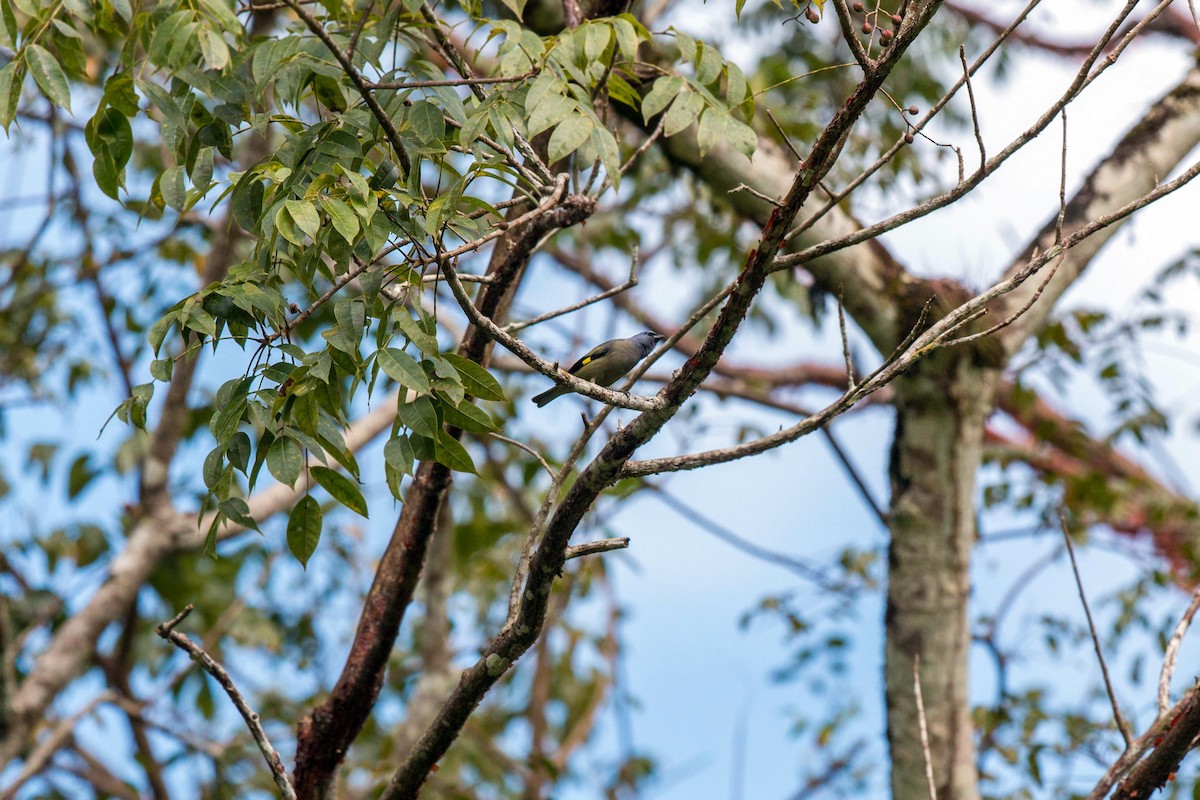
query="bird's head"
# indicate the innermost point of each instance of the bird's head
(647, 339)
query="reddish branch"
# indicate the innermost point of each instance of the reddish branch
(1058, 447)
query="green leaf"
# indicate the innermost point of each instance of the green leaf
(344, 220)
(398, 459)
(627, 38)
(419, 416)
(682, 113)
(341, 488)
(687, 45)
(468, 417)
(284, 460)
(568, 136)
(235, 508)
(226, 422)
(595, 40)
(305, 215)
(411, 328)
(107, 174)
(711, 131)
(708, 68)
(8, 27)
(49, 75)
(123, 9)
(448, 451)
(741, 136)
(80, 475)
(476, 380)
(427, 121)
(110, 129)
(287, 227)
(213, 49)
(517, 7)
(403, 369)
(238, 451)
(664, 90)
(10, 92)
(735, 84)
(304, 529)
(544, 86)
(398, 454)
(161, 369)
(548, 113)
(172, 187)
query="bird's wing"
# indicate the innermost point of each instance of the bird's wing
(590, 356)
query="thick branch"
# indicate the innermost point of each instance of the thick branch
(548, 558)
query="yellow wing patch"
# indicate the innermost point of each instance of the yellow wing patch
(586, 360)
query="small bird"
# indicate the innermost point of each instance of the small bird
(607, 363)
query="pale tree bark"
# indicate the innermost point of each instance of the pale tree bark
(941, 407)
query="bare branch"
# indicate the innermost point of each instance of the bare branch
(533, 452)
(607, 293)
(1122, 725)
(598, 546)
(962, 55)
(167, 631)
(850, 36)
(1172, 652)
(845, 340)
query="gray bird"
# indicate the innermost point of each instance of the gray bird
(607, 363)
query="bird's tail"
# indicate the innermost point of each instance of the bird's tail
(548, 395)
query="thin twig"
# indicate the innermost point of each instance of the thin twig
(352, 45)
(798, 566)
(845, 340)
(460, 65)
(167, 631)
(522, 446)
(1112, 696)
(1062, 185)
(1168, 667)
(1084, 77)
(741, 187)
(962, 56)
(364, 91)
(1020, 311)
(787, 140)
(850, 35)
(598, 546)
(628, 284)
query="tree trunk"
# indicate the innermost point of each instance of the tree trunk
(941, 407)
